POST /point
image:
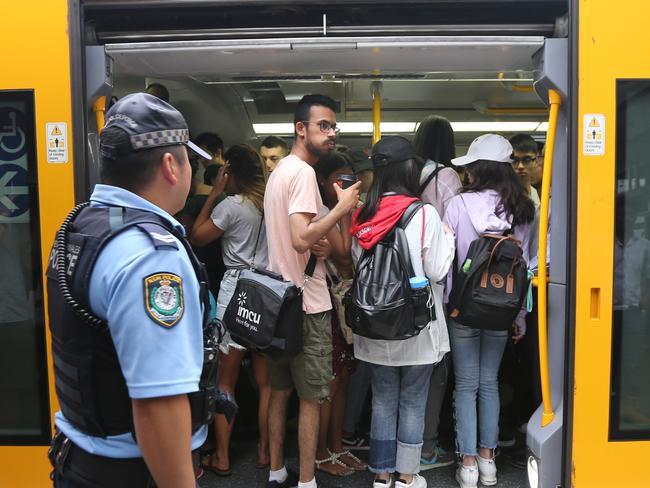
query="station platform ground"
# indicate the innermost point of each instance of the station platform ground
(245, 475)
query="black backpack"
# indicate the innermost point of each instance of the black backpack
(489, 288)
(381, 304)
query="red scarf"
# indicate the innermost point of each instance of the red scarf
(372, 231)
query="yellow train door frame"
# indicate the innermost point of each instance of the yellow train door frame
(36, 63)
(607, 43)
(609, 39)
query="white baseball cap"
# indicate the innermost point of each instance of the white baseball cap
(490, 147)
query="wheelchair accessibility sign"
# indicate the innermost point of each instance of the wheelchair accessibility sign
(13, 144)
(57, 142)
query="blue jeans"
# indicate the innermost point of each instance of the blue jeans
(398, 392)
(477, 355)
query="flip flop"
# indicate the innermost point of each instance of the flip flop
(333, 460)
(215, 470)
(219, 472)
(361, 466)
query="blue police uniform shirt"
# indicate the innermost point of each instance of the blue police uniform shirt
(157, 360)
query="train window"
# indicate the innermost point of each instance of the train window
(24, 409)
(630, 400)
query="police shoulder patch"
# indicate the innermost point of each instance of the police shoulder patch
(163, 298)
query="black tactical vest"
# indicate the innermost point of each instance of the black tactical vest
(89, 383)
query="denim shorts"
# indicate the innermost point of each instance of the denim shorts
(310, 372)
(226, 291)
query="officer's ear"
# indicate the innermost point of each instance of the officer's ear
(169, 168)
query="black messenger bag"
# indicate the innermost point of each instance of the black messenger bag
(265, 312)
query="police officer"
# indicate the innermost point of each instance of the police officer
(126, 313)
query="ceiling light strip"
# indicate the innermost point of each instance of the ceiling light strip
(286, 128)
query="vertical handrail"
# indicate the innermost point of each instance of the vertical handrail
(542, 279)
(99, 107)
(376, 114)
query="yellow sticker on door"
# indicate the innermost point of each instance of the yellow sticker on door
(593, 135)
(57, 142)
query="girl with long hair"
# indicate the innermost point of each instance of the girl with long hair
(493, 202)
(401, 369)
(238, 221)
(435, 143)
(330, 455)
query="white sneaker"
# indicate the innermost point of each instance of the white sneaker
(417, 482)
(383, 484)
(487, 471)
(467, 476)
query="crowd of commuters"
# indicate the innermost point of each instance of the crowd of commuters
(277, 206)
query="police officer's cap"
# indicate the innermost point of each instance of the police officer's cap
(149, 122)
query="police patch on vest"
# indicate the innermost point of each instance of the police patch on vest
(163, 296)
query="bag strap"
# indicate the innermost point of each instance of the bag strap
(408, 214)
(309, 271)
(311, 266)
(257, 240)
(433, 174)
(422, 237)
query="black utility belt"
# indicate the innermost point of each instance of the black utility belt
(73, 464)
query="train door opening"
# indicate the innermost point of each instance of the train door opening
(244, 87)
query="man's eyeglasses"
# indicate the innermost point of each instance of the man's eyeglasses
(324, 126)
(526, 161)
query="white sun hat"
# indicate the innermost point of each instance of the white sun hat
(490, 147)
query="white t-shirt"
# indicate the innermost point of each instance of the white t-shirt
(240, 221)
(432, 343)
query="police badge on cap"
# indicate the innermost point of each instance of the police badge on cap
(150, 123)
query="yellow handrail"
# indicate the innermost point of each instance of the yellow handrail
(516, 88)
(542, 277)
(99, 107)
(376, 115)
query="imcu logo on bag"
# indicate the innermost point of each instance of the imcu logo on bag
(246, 314)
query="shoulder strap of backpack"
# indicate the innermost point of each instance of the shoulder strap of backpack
(408, 214)
(433, 174)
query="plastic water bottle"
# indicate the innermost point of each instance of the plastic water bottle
(418, 282)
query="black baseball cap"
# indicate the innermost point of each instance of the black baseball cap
(149, 122)
(359, 160)
(392, 149)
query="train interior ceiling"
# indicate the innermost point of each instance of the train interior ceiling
(245, 89)
(247, 106)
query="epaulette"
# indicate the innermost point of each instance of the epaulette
(160, 237)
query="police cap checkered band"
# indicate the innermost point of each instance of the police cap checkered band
(149, 123)
(159, 138)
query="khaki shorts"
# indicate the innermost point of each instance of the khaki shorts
(310, 372)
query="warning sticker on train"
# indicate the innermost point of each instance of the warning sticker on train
(57, 142)
(593, 135)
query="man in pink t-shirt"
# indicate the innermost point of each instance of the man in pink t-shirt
(294, 231)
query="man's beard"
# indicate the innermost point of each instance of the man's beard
(314, 150)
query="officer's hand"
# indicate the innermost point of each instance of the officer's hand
(321, 249)
(349, 197)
